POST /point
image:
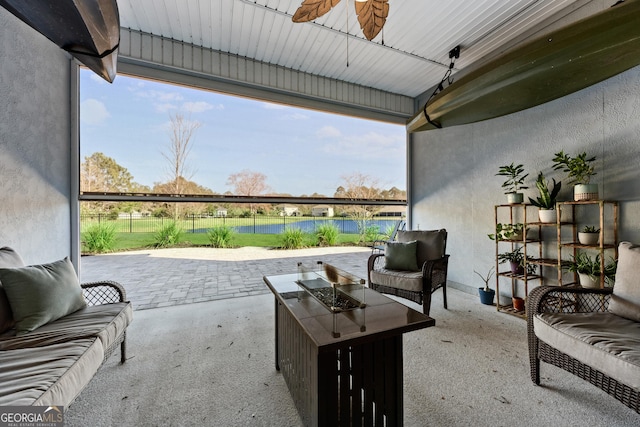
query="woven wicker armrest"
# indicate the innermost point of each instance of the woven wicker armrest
(436, 269)
(96, 293)
(375, 261)
(557, 299)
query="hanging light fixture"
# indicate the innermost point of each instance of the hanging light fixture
(372, 14)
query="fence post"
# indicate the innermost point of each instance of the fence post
(193, 223)
(254, 223)
(130, 222)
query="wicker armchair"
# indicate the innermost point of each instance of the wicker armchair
(552, 305)
(418, 285)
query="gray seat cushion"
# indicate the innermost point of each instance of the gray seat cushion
(106, 322)
(604, 341)
(51, 375)
(407, 280)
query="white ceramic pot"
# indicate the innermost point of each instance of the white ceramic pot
(588, 238)
(585, 192)
(587, 281)
(548, 215)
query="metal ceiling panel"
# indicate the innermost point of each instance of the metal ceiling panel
(407, 57)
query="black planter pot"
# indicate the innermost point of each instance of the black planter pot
(486, 297)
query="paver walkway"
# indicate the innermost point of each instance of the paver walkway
(165, 277)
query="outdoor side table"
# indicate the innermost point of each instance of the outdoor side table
(342, 368)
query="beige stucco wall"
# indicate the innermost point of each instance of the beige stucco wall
(34, 143)
(452, 171)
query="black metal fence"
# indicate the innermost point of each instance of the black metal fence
(254, 224)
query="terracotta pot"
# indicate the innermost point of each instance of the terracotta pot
(518, 303)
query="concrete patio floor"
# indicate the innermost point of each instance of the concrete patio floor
(165, 277)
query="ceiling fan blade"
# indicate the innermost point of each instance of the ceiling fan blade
(312, 9)
(372, 14)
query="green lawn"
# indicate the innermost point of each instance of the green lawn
(132, 241)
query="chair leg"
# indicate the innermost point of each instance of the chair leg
(123, 350)
(444, 295)
(426, 303)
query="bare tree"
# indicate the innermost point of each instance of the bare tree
(360, 186)
(248, 183)
(181, 132)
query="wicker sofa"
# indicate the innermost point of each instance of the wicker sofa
(591, 333)
(50, 364)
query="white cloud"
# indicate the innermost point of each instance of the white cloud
(270, 106)
(200, 107)
(328, 132)
(371, 145)
(296, 116)
(163, 108)
(93, 112)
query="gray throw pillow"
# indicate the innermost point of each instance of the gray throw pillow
(39, 294)
(625, 301)
(431, 243)
(8, 259)
(401, 256)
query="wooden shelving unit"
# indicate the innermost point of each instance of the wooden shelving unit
(514, 214)
(607, 218)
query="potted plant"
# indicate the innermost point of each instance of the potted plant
(514, 182)
(516, 261)
(486, 294)
(580, 170)
(514, 232)
(590, 235)
(546, 202)
(588, 270)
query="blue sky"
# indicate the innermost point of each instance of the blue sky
(300, 151)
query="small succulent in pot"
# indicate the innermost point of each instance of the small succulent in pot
(589, 235)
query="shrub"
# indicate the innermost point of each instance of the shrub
(168, 235)
(293, 238)
(327, 234)
(100, 237)
(220, 237)
(370, 233)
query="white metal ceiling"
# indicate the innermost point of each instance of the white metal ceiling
(409, 56)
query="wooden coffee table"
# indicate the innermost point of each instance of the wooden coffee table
(342, 367)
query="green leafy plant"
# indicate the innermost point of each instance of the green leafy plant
(515, 178)
(517, 257)
(547, 199)
(221, 237)
(100, 238)
(584, 264)
(579, 168)
(507, 231)
(327, 234)
(590, 229)
(293, 238)
(486, 279)
(168, 235)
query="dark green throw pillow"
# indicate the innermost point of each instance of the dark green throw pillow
(401, 256)
(39, 294)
